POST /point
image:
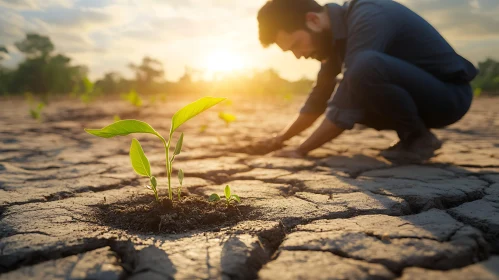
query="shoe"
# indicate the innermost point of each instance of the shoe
(419, 150)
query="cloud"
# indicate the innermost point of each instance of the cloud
(34, 4)
(460, 19)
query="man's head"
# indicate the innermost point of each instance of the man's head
(300, 26)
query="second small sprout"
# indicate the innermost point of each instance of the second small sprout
(229, 198)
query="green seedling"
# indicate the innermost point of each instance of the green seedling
(153, 99)
(125, 127)
(28, 96)
(477, 92)
(89, 94)
(36, 113)
(133, 97)
(162, 97)
(226, 117)
(229, 198)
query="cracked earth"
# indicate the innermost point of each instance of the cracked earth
(341, 213)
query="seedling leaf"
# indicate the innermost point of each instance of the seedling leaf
(139, 160)
(193, 109)
(226, 117)
(236, 198)
(154, 183)
(227, 192)
(180, 176)
(214, 197)
(34, 114)
(122, 128)
(178, 147)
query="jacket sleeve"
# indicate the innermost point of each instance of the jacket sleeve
(316, 102)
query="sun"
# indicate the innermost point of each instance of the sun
(222, 61)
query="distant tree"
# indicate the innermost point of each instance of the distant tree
(148, 74)
(4, 73)
(35, 45)
(188, 76)
(488, 76)
(111, 83)
(3, 49)
(42, 72)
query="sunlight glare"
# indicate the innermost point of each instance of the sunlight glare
(223, 61)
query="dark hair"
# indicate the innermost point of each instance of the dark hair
(285, 15)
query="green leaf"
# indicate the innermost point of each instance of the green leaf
(236, 198)
(154, 183)
(88, 85)
(192, 110)
(477, 92)
(214, 197)
(180, 176)
(178, 147)
(124, 127)
(228, 118)
(227, 192)
(34, 114)
(139, 160)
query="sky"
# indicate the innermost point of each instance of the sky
(209, 35)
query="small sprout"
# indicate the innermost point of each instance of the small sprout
(29, 97)
(139, 161)
(133, 97)
(226, 117)
(89, 93)
(36, 113)
(229, 197)
(162, 97)
(477, 92)
(116, 118)
(153, 99)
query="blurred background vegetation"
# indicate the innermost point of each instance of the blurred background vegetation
(44, 73)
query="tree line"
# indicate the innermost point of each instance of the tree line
(45, 72)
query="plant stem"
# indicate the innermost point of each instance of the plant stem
(168, 166)
(156, 194)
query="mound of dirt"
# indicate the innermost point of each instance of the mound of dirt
(145, 215)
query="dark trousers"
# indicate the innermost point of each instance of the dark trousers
(397, 95)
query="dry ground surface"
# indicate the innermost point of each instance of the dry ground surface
(341, 213)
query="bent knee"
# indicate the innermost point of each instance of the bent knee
(365, 68)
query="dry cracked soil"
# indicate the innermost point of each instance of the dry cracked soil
(343, 212)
